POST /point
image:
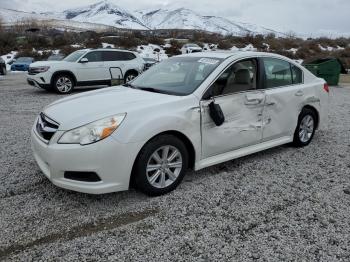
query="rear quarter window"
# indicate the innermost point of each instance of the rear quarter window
(297, 75)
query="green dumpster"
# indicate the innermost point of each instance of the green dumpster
(327, 68)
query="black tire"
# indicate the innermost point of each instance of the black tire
(305, 114)
(56, 87)
(4, 71)
(129, 76)
(141, 177)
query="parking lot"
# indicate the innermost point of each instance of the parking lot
(281, 204)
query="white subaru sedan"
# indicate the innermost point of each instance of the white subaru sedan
(191, 111)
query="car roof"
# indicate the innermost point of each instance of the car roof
(227, 54)
(108, 49)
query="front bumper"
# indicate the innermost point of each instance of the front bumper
(110, 160)
(39, 80)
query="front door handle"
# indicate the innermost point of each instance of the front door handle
(253, 102)
(254, 99)
(299, 93)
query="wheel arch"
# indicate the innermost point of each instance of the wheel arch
(189, 146)
(310, 107)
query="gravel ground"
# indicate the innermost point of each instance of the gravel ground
(279, 205)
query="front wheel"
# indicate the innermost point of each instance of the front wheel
(4, 71)
(306, 128)
(63, 84)
(161, 165)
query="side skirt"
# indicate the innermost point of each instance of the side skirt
(214, 160)
(94, 83)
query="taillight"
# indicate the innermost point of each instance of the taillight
(326, 87)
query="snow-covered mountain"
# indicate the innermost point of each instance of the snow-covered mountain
(107, 13)
(183, 18)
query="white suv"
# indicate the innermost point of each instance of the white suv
(86, 67)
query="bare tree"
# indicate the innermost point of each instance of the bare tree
(1, 24)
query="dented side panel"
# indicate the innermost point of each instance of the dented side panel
(282, 108)
(242, 127)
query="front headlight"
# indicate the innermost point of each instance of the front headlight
(39, 69)
(93, 132)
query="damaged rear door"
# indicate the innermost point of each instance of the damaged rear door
(285, 92)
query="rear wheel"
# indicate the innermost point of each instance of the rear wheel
(306, 128)
(130, 76)
(161, 165)
(63, 84)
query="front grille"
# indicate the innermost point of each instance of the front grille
(46, 127)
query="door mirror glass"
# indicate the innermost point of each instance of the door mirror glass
(84, 60)
(216, 113)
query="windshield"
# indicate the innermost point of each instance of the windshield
(177, 76)
(73, 57)
(25, 59)
(55, 58)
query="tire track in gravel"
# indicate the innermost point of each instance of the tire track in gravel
(84, 230)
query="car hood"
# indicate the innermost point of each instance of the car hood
(81, 109)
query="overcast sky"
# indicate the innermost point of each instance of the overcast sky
(309, 17)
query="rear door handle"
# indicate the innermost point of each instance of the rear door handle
(299, 93)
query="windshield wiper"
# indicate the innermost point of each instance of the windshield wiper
(148, 89)
(151, 89)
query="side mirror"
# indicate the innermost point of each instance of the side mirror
(84, 60)
(216, 113)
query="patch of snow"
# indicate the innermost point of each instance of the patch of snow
(330, 48)
(249, 47)
(299, 61)
(9, 58)
(209, 47)
(76, 46)
(152, 51)
(293, 50)
(267, 46)
(41, 52)
(106, 45)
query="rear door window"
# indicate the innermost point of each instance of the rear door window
(278, 73)
(118, 56)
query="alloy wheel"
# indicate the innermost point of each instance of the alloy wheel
(64, 84)
(164, 166)
(306, 128)
(129, 78)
